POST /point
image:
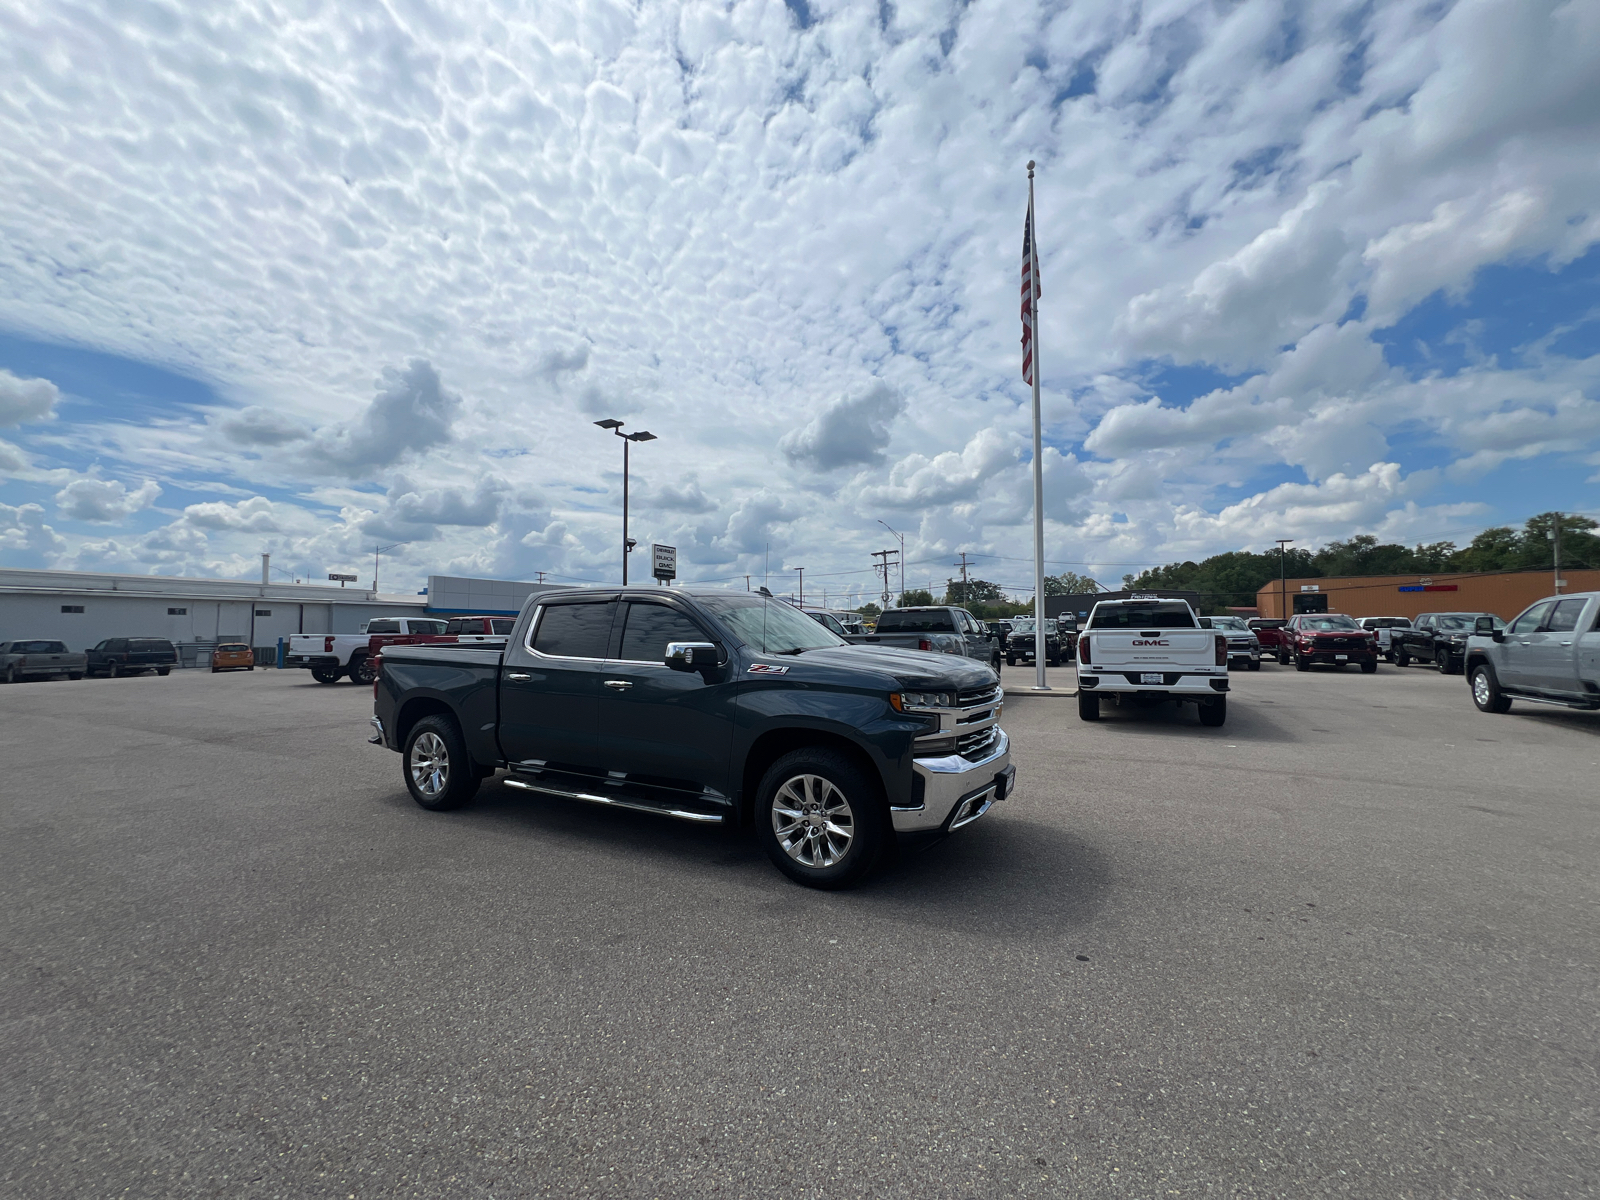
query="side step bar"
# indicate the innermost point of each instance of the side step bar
(659, 810)
(1578, 705)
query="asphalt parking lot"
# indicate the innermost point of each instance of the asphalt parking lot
(1343, 946)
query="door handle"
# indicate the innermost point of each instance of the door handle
(620, 685)
(518, 676)
(1566, 643)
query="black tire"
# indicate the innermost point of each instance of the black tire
(1052, 660)
(1486, 693)
(163, 670)
(1301, 664)
(1215, 712)
(115, 672)
(1088, 706)
(438, 772)
(833, 819)
(214, 670)
(327, 674)
(362, 670)
(1010, 661)
(251, 667)
(1402, 659)
(11, 674)
(1255, 664)
(74, 674)
(1283, 658)
(1370, 667)
(995, 663)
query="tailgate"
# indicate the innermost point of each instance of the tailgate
(1180, 647)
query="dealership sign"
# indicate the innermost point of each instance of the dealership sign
(664, 559)
(1429, 587)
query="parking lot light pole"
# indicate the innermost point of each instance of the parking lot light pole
(378, 552)
(1283, 585)
(802, 572)
(642, 435)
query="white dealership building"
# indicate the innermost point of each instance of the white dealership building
(82, 609)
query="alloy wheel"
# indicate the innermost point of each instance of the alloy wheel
(1480, 688)
(430, 765)
(813, 821)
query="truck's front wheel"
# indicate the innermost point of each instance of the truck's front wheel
(439, 775)
(821, 820)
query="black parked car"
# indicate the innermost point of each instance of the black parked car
(1439, 639)
(1020, 645)
(130, 656)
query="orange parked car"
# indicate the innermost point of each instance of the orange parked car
(230, 656)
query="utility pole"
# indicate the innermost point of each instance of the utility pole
(541, 576)
(963, 565)
(1555, 537)
(377, 552)
(802, 571)
(747, 583)
(902, 538)
(884, 567)
(1283, 586)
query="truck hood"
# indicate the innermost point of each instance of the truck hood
(907, 668)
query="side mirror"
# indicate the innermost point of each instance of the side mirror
(690, 656)
(1484, 627)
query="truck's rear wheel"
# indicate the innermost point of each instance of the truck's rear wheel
(820, 819)
(327, 674)
(1011, 660)
(1215, 712)
(439, 775)
(1402, 659)
(1088, 706)
(362, 670)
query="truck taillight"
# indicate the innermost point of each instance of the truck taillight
(924, 644)
(377, 673)
(1222, 651)
(1083, 648)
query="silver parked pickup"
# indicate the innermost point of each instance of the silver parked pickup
(39, 659)
(1550, 655)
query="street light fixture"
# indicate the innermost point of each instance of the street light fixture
(376, 552)
(642, 435)
(802, 571)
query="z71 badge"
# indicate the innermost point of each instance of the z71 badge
(767, 669)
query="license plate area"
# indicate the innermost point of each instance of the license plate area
(1340, 657)
(1151, 677)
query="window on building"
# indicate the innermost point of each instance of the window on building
(177, 612)
(70, 608)
(263, 612)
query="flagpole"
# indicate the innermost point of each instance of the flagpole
(1038, 455)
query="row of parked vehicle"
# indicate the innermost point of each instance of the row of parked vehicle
(1308, 639)
(43, 658)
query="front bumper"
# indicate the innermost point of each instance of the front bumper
(954, 791)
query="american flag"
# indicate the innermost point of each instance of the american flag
(1030, 292)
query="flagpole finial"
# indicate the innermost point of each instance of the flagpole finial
(1030, 168)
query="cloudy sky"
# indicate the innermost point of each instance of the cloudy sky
(309, 276)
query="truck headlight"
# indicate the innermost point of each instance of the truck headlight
(903, 701)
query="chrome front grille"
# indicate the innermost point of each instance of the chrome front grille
(985, 695)
(974, 744)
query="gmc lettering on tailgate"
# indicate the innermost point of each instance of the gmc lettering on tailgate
(1151, 642)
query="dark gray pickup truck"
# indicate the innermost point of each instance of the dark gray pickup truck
(710, 706)
(941, 628)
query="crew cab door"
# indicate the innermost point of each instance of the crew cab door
(975, 636)
(1518, 651)
(1552, 650)
(662, 730)
(550, 685)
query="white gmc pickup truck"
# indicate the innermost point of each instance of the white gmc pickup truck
(1147, 651)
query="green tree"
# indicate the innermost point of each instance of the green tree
(870, 611)
(1070, 584)
(915, 597)
(974, 591)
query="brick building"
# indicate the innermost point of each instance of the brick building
(1504, 593)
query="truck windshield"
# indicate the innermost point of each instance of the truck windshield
(1457, 622)
(1327, 624)
(769, 626)
(898, 620)
(1234, 623)
(1142, 616)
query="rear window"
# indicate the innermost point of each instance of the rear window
(383, 626)
(233, 647)
(38, 648)
(1142, 616)
(144, 645)
(422, 626)
(901, 621)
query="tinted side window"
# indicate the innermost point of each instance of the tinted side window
(1565, 617)
(575, 630)
(650, 627)
(502, 626)
(454, 625)
(1529, 621)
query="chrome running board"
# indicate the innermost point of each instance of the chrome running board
(659, 810)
